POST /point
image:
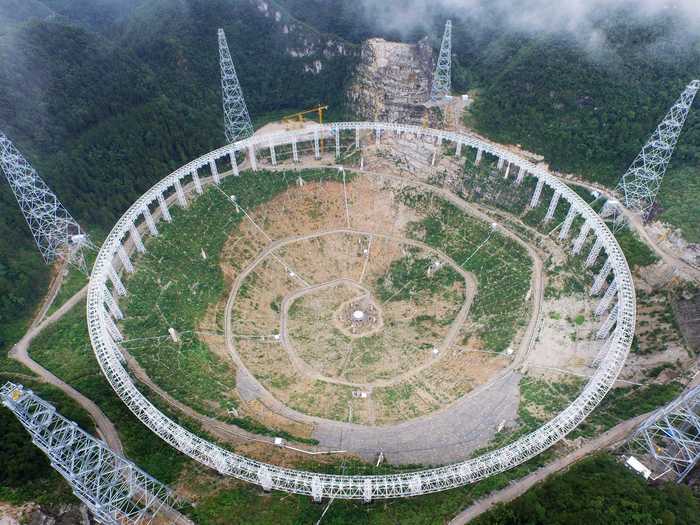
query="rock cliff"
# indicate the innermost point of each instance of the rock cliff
(392, 83)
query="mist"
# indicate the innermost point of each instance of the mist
(579, 19)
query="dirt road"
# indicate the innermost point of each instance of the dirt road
(19, 352)
(609, 439)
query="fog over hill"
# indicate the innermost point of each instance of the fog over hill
(107, 96)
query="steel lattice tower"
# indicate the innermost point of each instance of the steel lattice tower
(442, 79)
(55, 231)
(671, 436)
(640, 184)
(115, 490)
(237, 123)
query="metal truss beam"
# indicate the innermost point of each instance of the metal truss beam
(442, 78)
(56, 233)
(671, 436)
(237, 123)
(115, 490)
(367, 488)
(640, 184)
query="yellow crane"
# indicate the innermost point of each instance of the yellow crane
(298, 118)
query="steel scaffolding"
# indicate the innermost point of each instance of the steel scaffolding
(442, 79)
(640, 184)
(115, 490)
(671, 436)
(55, 232)
(237, 123)
(319, 485)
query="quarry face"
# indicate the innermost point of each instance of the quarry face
(392, 83)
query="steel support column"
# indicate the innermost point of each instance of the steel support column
(253, 159)
(273, 155)
(164, 211)
(594, 253)
(608, 296)
(607, 325)
(215, 172)
(582, 235)
(552, 206)
(116, 281)
(317, 150)
(570, 216)
(136, 239)
(534, 202)
(180, 194)
(112, 305)
(149, 221)
(601, 278)
(197, 183)
(234, 163)
(124, 258)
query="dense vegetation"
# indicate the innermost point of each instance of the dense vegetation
(106, 99)
(596, 489)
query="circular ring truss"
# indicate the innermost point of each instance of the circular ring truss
(271, 477)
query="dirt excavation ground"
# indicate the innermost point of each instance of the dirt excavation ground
(400, 366)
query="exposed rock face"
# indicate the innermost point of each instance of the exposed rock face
(392, 82)
(311, 48)
(33, 514)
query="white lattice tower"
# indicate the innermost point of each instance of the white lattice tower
(237, 123)
(442, 79)
(114, 489)
(640, 184)
(670, 438)
(55, 231)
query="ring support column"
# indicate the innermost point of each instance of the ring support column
(197, 182)
(552, 206)
(601, 277)
(180, 194)
(112, 304)
(570, 216)
(124, 258)
(295, 150)
(253, 159)
(234, 163)
(136, 239)
(164, 211)
(594, 253)
(116, 281)
(273, 155)
(536, 195)
(215, 171)
(149, 221)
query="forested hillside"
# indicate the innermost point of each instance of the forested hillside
(104, 102)
(107, 96)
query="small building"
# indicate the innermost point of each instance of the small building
(637, 466)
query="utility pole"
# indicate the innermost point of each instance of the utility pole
(56, 233)
(237, 123)
(640, 184)
(442, 79)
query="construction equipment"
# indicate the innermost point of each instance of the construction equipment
(298, 118)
